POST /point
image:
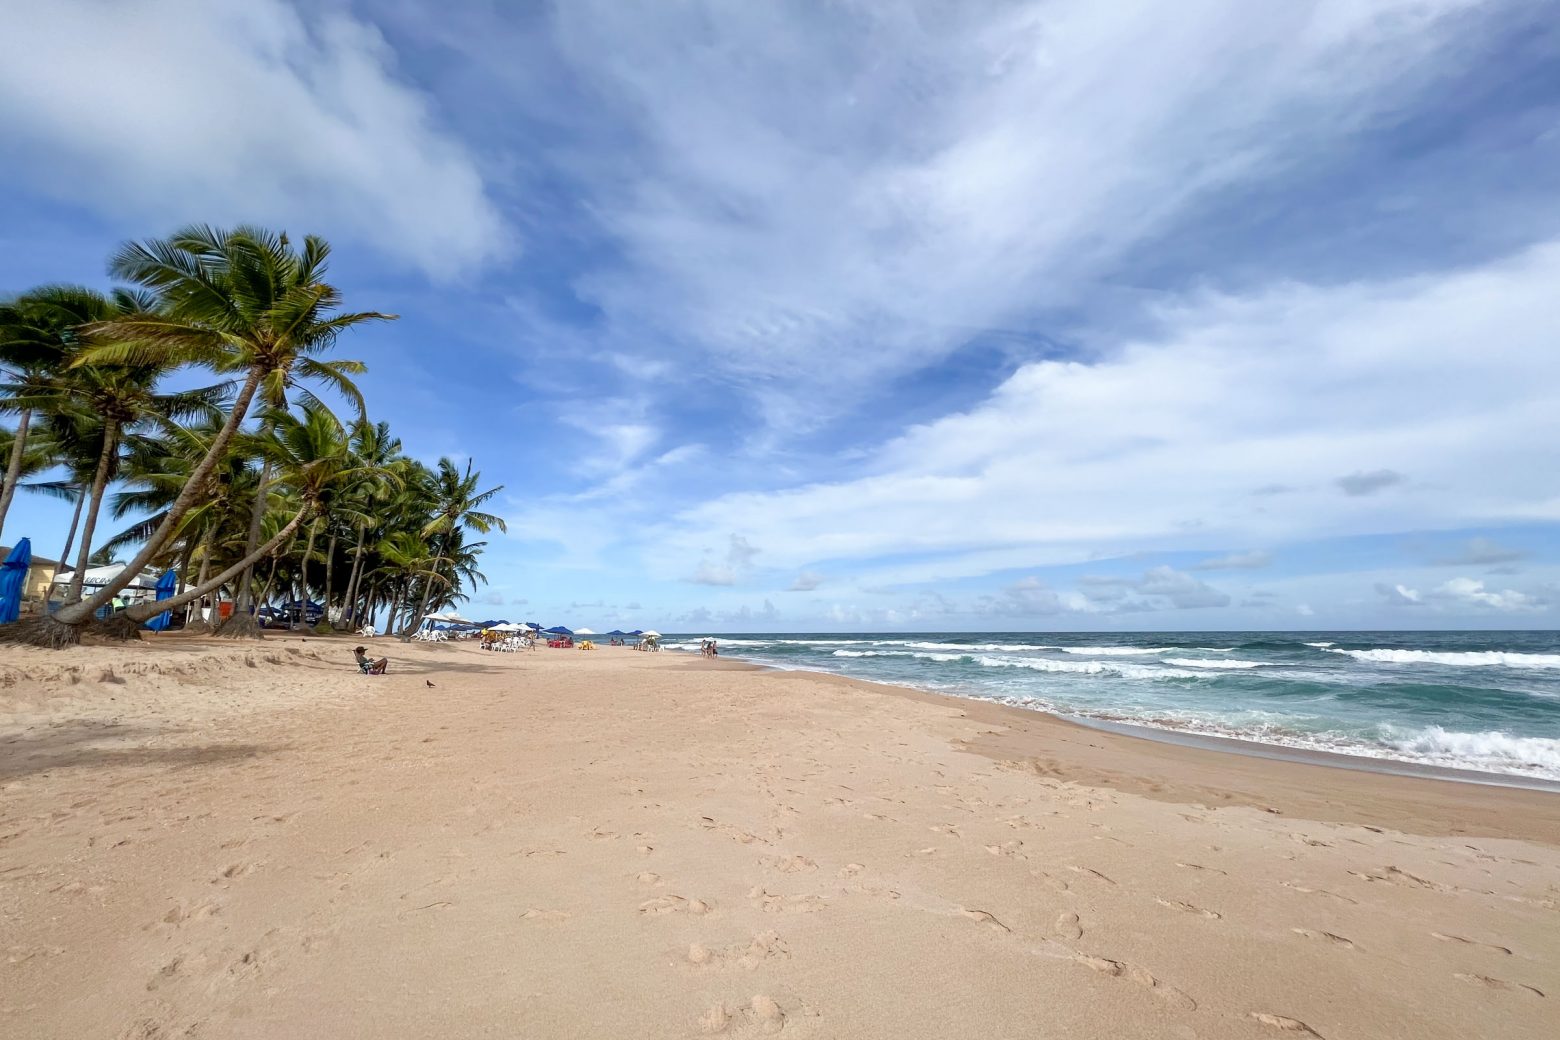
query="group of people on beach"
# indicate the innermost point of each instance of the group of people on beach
(708, 648)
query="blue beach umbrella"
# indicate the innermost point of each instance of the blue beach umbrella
(559, 631)
(13, 576)
(165, 586)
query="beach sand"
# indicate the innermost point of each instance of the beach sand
(203, 840)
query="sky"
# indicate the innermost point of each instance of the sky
(911, 316)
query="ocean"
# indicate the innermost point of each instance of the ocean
(1487, 701)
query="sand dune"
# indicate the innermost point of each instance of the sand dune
(210, 841)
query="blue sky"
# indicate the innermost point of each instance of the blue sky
(1030, 315)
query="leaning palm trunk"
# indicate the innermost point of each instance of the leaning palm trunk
(70, 536)
(349, 602)
(64, 628)
(89, 526)
(422, 607)
(13, 466)
(243, 622)
(142, 612)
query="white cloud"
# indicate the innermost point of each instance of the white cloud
(1162, 443)
(172, 110)
(806, 582)
(1399, 594)
(1471, 591)
(992, 158)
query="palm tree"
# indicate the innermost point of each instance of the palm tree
(241, 301)
(456, 502)
(311, 454)
(378, 452)
(37, 336)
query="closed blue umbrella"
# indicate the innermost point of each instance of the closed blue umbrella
(13, 577)
(165, 586)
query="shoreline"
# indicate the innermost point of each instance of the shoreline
(1326, 758)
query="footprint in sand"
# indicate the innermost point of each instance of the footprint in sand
(1067, 926)
(675, 905)
(789, 864)
(765, 946)
(648, 877)
(1199, 866)
(985, 917)
(1502, 984)
(1188, 908)
(1116, 969)
(1472, 942)
(1397, 876)
(1292, 1026)
(1088, 873)
(538, 914)
(770, 903)
(850, 870)
(1007, 848)
(1329, 937)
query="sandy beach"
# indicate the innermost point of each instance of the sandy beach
(206, 840)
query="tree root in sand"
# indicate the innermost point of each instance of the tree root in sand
(42, 631)
(115, 626)
(240, 626)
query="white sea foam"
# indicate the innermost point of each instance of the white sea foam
(1456, 659)
(1118, 668)
(1192, 662)
(898, 653)
(1116, 651)
(967, 647)
(1490, 750)
(1320, 646)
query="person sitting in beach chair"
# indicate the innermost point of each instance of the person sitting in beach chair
(368, 667)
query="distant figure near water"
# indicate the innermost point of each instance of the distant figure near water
(708, 648)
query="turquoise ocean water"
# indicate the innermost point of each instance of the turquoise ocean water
(1467, 700)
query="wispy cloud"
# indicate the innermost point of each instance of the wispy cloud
(171, 110)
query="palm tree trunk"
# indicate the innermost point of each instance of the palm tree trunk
(427, 592)
(303, 575)
(205, 569)
(89, 525)
(270, 579)
(13, 466)
(70, 537)
(330, 572)
(395, 610)
(143, 611)
(256, 517)
(350, 601)
(47, 630)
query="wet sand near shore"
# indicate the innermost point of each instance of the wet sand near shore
(204, 840)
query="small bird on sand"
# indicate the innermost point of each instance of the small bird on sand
(429, 682)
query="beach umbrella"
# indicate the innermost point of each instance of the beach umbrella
(13, 578)
(637, 632)
(533, 626)
(617, 632)
(165, 586)
(584, 632)
(558, 630)
(651, 635)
